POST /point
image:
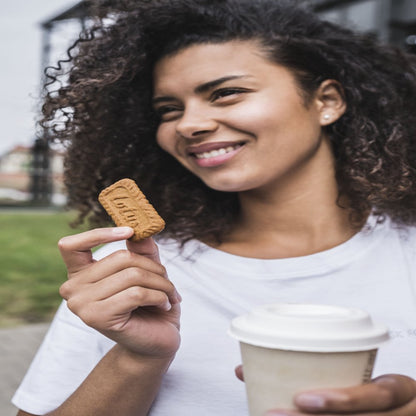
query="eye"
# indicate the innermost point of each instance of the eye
(167, 112)
(227, 92)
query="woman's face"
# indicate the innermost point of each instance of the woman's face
(235, 119)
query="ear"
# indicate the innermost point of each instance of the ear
(330, 101)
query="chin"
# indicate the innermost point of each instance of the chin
(228, 186)
(230, 181)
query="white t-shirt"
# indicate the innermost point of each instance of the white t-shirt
(375, 271)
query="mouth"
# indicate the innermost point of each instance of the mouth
(211, 150)
(214, 154)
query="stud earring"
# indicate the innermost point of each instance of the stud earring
(327, 117)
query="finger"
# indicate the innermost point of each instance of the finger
(382, 394)
(136, 277)
(112, 313)
(117, 262)
(409, 409)
(135, 297)
(76, 249)
(401, 389)
(239, 372)
(146, 247)
(119, 282)
(286, 412)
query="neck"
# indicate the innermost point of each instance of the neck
(291, 218)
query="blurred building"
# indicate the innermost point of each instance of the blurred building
(392, 21)
(17, 173)
(14, 169)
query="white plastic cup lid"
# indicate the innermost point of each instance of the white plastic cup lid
(309, 327)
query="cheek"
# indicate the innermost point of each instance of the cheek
(259, 115)
(164, 138)
(248, 118)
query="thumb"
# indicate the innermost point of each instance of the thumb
(239, 372)
(146, 247)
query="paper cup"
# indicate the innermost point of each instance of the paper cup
(289, 348)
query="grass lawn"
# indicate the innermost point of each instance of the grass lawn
(31, 268)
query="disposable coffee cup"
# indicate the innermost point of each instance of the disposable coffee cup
(288, 348)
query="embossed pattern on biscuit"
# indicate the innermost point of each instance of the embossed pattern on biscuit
(128, 206)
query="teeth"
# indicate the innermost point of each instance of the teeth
(217, 152)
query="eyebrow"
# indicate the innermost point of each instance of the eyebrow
(206, 86)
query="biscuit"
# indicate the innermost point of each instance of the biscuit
(127, 206)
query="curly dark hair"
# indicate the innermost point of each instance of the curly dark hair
(102, 112)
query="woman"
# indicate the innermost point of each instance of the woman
(280, 151)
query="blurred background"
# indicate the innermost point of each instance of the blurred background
(33, 35)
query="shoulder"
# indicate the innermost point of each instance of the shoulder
(406, 233)
(405, 237)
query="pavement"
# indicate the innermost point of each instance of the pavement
(17, 347)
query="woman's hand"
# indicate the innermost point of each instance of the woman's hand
(126, 295)
(388, 395)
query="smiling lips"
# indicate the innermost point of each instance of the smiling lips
(217, 152)
(214, 154)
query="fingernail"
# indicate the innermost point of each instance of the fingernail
(122, 230)
(310, 401)
(313, 401)
(276, 413)
(178, 297)
(167, 306)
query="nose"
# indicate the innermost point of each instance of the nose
(196, 121)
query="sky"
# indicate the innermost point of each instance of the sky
(20, 64)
